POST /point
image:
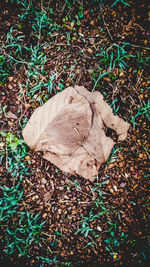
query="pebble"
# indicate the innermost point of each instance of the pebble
(111, 165)
(121, 74)
(59, 211)
(120, 164)
(10, 86)
(92, 22)
(35, 197)
(140, 155)
(127, 29)
(99, 228)
(115, 188)
(44, 215)
(111, 190)
(10, 79)
(44, 181)
(72, 24)
(10, 123)
(27, 157)
(90, 51)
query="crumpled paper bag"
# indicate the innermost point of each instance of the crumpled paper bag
(70, 129)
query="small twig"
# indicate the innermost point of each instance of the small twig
(136, 24)
(31, 194)
(48, 247)
(138, 46)
(64, 201)
(94, 196)
(48, 234)
(52, 185)
(101, 10)
(29, 182)
(135, 87)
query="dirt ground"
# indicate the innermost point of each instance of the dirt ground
(120, 236)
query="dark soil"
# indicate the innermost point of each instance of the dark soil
(51, 192)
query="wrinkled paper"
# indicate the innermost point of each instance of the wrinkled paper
(70, 129)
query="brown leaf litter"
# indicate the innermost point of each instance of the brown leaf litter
(70, 129)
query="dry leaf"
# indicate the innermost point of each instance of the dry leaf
(69, 129)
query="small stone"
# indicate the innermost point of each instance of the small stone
(90, 51)
(140, 155)
(27, 157)
(59, 211)
(115, 188)
(92, 22)
(72, 24)
(127, 29)
(10, 79)
(120, 164)
(99, 228)
(44, 181)
(111, 190)
(121, 74)
(35, 197)
(44, 215)
(10, 123)
(10, 86)
(111, 165)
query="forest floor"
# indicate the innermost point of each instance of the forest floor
(51, 218)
